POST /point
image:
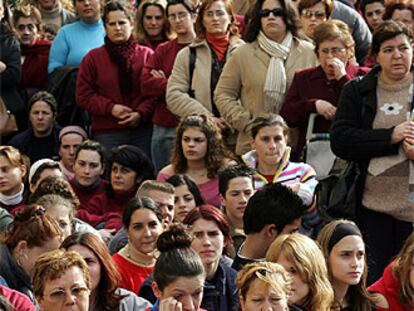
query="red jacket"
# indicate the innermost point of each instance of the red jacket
(86, 195)
(106, 209)
(97, 88)
(389, 287)
(162, 59)
(308, 86)
(18, 300)
(34, 67)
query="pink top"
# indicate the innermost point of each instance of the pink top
(209, 190)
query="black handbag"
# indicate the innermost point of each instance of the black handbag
(338, 193)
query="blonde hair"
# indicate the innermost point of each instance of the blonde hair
(271, 273)
(154, 185)
(402, 268)
(52, 265)
(309, 262)
(358, 296)
(15, 157)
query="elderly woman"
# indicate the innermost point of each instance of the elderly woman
(248, 88)
(371, 127)
(401, 12)
(317, 89)
(152, 27)
(32, 234)
(28, 25)
(61, 280)
(198, 67)
(75, 40)
(311, 14)
(108, 84)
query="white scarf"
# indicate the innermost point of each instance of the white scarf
(14, 199)
(275, 85)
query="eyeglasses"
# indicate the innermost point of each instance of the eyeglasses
(22, 27)
(316, 14)
(218, 13)
(276, 12)
(333, 51)
(177, 17)
(378, 12)
(60, 295)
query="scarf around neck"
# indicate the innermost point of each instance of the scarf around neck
(219, 44)
(14, 199)
(275, 84)
(122, 54)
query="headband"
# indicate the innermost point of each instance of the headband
(342, 230)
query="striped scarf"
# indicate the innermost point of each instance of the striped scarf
(275, 84)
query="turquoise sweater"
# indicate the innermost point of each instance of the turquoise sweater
(73, 42)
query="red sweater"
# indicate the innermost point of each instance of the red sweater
(18, 300)
(85, 196)
(162, 59)
(308, 86)
(105, 209)
(389, 287)
(97, 88)
(132, 275)
(34, 67)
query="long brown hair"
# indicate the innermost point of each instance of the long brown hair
(106, 299)
(216, 152)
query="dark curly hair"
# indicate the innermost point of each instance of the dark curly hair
(216, 152)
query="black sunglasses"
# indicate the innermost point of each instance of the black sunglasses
(276, 12)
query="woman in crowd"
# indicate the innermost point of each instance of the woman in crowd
(178, 273)
(344, 250)
(371, 127)
(302, 258)
(75, 40)
(129, 167)
(13, 169)
(269, 159)
(199, 153)
(108, 84)
(10, 68)
(41, 169)
(190, 90)
(402, 11)
(105, 279)
(187, 195)
(152, 28)
(31, 234)
(317, 89)
(88, 167)
(263, 286)
(311, 14)
(181, 17)
(396, 286)
(142, 221)
(246, 89)
(35, 50)
(211, 234)
(56, 273)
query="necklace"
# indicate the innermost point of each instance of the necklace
(127, 253)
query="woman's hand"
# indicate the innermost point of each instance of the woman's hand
(3, 66)
(221, 123)
(403, 131)
(325, 109)
(170, 304)
(158, 74)
(131, 119)
(408, 147)
(337, 66)
(120, 111)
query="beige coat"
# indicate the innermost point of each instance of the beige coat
(239, 93)
(178, 100)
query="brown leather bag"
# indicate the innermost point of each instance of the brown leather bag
(8, 123)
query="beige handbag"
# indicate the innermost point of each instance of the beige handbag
(8, 123)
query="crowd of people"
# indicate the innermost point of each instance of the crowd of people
(156, 155)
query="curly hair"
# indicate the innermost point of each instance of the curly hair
(216, 152)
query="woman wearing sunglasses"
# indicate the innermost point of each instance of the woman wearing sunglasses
(247, 88)
(311, 14)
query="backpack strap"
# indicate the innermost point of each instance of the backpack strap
(191, 66)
